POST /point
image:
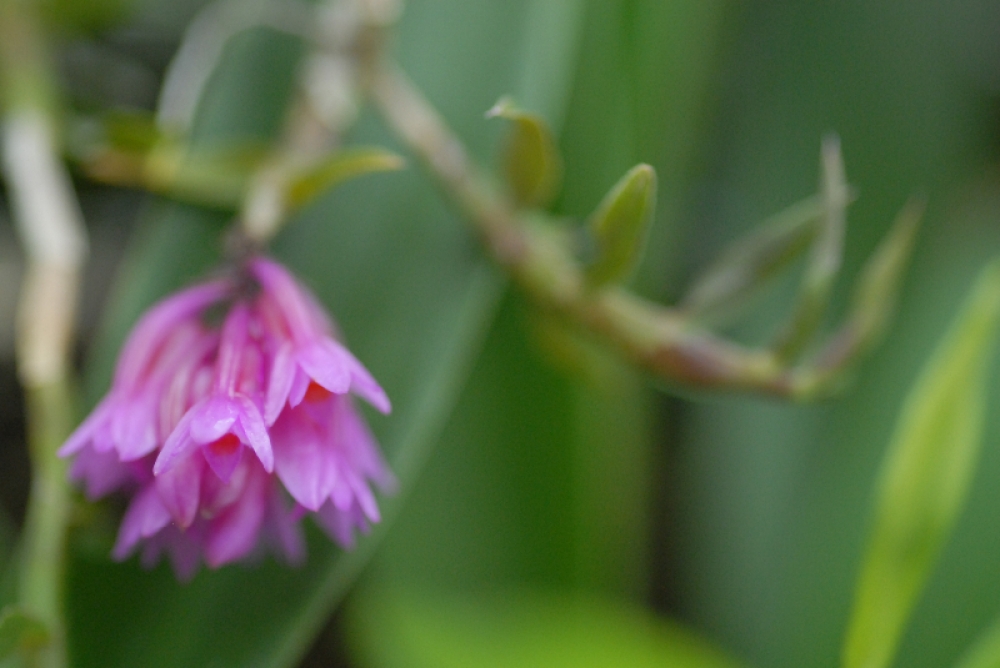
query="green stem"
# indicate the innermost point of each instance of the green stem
(50, 420)
(666, 342)
(50, 227)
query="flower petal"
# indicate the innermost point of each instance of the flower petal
(213, 418)
(180, 488)
(299, 461)
(256, 433)
(327, 363)
(85, 432)
(280, 383)
(234, 533)
(145, 516)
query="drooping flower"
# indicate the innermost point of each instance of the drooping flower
(226, 435)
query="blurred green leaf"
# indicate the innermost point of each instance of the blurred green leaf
(340, 167)
(532, 165)
(985, 653)
(20, 632)
(750, 261)
(825, 257)
(925, 478)
(620, 225)
(403, 628)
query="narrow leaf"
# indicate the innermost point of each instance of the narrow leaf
(824, 259)
(404, 628)
(985, 653)
(874, 298)
(532, 165)
(342, 166)
(20, 632)
(924, 478)
(619, 226)
(751, 261)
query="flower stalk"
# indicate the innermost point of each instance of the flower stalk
(50, 227)
(670, 343)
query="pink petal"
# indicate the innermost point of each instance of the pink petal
(234, 533)
(256, 433)
(300, 385)
(146, 515)
(180, 487)
(83, 434)
(365, 386)
(213, 418)
(223, 462)
(327, 363)
(101, 472)
(299, 461)
(280, 383)
(158, 323)
(178, 444)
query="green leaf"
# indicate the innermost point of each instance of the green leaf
(620, 225)
(924, 479)
(20, 632)
(404, 628)
(340, 167)
(749, 262)
(532, 165)
(985, 653)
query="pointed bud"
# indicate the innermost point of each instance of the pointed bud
(619, 226)
(532, 165)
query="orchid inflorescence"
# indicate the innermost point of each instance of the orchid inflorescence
(213, 426)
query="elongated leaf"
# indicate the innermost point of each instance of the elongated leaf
(401, 628)
(924, 478)
(985, 653)
(340, 167)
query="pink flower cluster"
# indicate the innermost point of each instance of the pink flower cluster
(212, 428)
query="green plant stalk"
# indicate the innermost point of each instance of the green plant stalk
(50, 226)
(50, 420)
(666, 342)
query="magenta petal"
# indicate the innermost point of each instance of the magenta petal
(223, 463)
(213, 419)
(145, 516)
(100, 472)
(300, 384)
(256, 433)
(327, 363)
(280, 383)
(299, 462)
(158, 323)
(234, 533)
(178, 444)
(180, 488)
(365, 386)
(85, 431)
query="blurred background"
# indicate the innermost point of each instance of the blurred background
(547, 471)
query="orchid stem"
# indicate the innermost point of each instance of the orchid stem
(50, 227)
